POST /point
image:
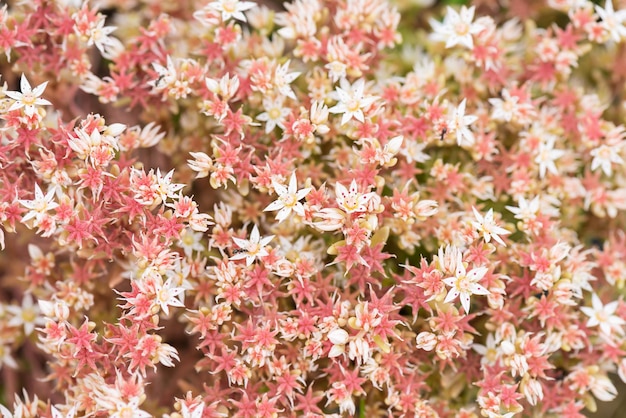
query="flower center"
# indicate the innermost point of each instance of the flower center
(461, 28)
(274, 113)
(353, 105)
(28, 99)
(289, 200)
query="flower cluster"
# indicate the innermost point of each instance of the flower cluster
(322, 208)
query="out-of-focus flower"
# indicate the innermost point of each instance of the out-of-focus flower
(232, 8)
(457, 28)
(27, 315)
(604, 316)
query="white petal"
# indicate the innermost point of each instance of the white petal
(293, 183)
(465, 301)
(24, 84)
(275, 205)
(254, 235)
(338, 336)
(478, 273)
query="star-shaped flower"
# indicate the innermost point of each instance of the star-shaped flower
(351, 200)
(465, 284)
(604, 316)
(460, 124)
(232, 8)
(288, 199)
(40, 204)
(352, 100)
(487, 227)
(252, 248)
(29, 98)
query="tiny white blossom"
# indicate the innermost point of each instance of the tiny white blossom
(464, 283)
(283, 79)
(274, 115)
(194, 413)
(201, 163)
(232, 8)
(27, 315)
(168, 295)
(457, 28)
(351, 200)
(487, 227)
(612, 21)
(98, 35)
(460, 123)
(253, 248)
(603, 156)
(504, 109)
(546, 156)
(29, 98)
(525, 210)
(165, 187)
(604, 316)
(352, 100)
(39, 205)
(288, 199)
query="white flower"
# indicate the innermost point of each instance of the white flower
(603, 156)
(525, 210)
(465, 284)
(546, 156)
(604, 316)
(27, 315)
(352, 100)
(386, 155)
(283, 80)
(190, 241)
(28, 98)
(487, 227)
(612, 21)
(201, 163)
(460, 123)
(39, 205)
(351, 200)
(165, 187)
(457, 28)
(232, 8)
(98, 35)
(168, 295)
(253, 248)
(288, 199)
(274, 115)
(504, 110)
